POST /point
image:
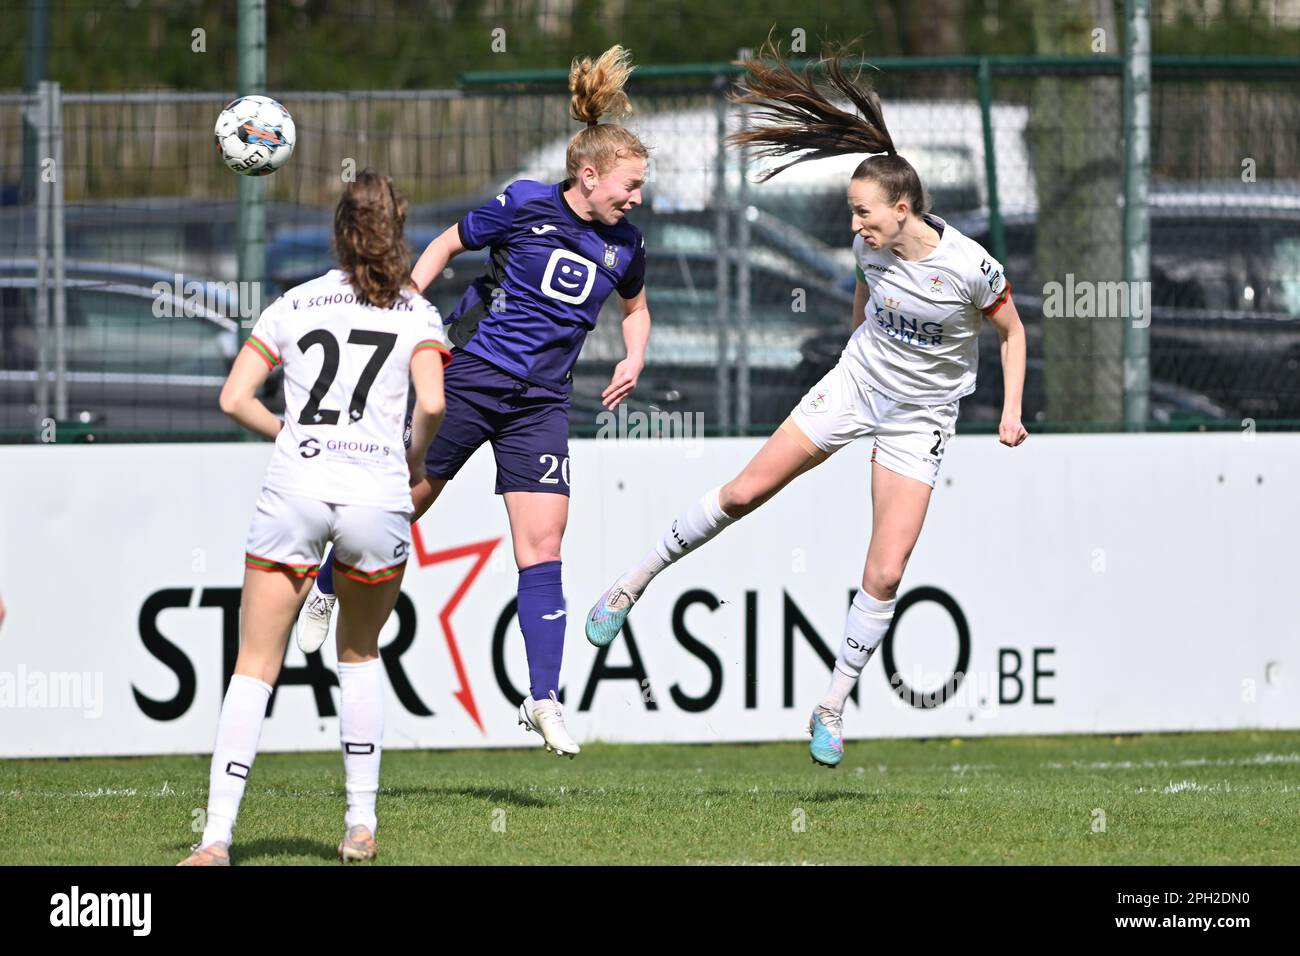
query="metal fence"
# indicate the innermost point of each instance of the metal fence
(120, 313)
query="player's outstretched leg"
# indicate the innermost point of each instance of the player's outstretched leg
(700, 522)
(898, 506)
(785, 455)
(864, 629)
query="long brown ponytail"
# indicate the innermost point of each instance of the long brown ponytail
(368, 224)
(795, 116)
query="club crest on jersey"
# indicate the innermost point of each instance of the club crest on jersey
(817, 403)
(935, 284)
(611, 256)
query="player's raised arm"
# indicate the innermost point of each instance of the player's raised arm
(435, 257)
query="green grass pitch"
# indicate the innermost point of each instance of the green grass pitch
(1200, 798)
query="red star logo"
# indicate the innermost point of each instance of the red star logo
(480, 551)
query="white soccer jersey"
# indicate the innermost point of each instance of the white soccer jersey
(346, 374)
(919, 342)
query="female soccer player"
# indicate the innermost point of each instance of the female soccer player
(558, 251)
(921, 292)
(349, 342)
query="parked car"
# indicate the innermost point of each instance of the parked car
(147, 351)
(1225, 283)
(168, 234)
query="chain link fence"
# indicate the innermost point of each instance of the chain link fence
(124, 327)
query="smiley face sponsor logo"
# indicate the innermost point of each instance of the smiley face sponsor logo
(568, 277)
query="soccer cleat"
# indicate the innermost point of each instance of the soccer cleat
(546, 717)
(827, 729)
(606, 618)
(358, 844)
(314, 622)
(214, 854)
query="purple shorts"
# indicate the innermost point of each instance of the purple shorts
(528, 426)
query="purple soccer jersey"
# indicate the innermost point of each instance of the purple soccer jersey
(548, 276)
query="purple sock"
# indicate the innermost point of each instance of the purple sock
(325, 576)
(541, 618)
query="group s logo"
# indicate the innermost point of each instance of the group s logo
(309, 448)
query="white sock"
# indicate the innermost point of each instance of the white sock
(864, 629)
(361, 733)
(701, 522)
(239, 729)
(635, 580)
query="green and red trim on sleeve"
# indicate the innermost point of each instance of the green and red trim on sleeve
(266, 564)
(368, 577)
(436, 346)
(265, 351)
(1000, 300)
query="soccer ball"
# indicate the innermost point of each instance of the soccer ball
(255, 135)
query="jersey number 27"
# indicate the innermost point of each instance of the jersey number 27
(381, 342)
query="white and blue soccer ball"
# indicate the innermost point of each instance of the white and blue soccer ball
(255, 135)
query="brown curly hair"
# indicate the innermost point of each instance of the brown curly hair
(368, 240)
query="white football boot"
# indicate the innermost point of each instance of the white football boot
(314, 621)
(546, 717)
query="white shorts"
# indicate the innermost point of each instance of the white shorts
(290, 533)
(910, 439)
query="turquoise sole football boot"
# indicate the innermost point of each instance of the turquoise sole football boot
(827, 729)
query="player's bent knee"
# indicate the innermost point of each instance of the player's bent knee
(530, 553)
(882, 582)
(424, 494)
(267, 670)
(738, 498)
